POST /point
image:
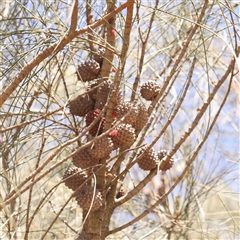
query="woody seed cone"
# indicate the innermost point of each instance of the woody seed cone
(89, 198)
(74, 177)
(149, 160)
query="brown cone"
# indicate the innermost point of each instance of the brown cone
(98, 56)
(81, 105)
(123, 136)
(88, 71)
(101, 148)
(82, 159)
(142, 118)
(149, 159)
(128, 110)
(92, 90)
(84, 198)
(74, 177)
(149, 90)
(97, 128)
(103, 93)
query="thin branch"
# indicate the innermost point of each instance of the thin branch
(65, 204)
(110, 42)
(31, 189)
(89, 19)
(149, 177)
(33, 174)
(136, 189)
(127, 32)
(20, 125)
(131, 163)
(16, 191)
(74, 17)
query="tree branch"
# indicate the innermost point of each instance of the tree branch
(74, 16)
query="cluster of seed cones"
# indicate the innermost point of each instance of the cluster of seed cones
(149, 159)
(131, 117)
(128, 119)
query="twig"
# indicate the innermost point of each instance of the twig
(127, 32)
(16, 192)
(74, 16)
(89, 18)
(110, 41)
(137, 189)
(31, 189)
(63, 207)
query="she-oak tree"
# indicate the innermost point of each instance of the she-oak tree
(108, 112)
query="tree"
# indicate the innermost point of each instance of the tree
(115, 119)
